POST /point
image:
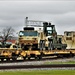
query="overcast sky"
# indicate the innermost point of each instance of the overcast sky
(60, 13)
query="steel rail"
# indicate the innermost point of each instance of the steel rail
(36, 66)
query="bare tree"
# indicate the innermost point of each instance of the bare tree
(6, 33)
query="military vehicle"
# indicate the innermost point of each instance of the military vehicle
(34, 42)
(69, 39)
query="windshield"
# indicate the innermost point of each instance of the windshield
(28, 33)
(49, 28)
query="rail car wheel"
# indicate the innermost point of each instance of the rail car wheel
(24, 58)
(28, 58)
(40, 57)
(36, 58)
(60, 56)
(8, 59)
(14, 58)
(2, 59)
(71, 54)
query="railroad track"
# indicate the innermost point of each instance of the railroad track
(37, 66)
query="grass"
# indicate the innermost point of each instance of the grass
(39, 72)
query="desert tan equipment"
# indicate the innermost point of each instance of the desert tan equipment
(69, 39)
(34, 42)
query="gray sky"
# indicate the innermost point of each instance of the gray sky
(60, 13)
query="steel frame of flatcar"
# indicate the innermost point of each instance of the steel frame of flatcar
(38, 54)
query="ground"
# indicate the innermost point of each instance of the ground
(39, 72)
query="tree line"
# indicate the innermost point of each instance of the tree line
(5, 34)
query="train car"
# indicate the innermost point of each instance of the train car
(10, 53)
(45, 41)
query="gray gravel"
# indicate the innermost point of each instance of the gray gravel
(37, 62)
(64, 68)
